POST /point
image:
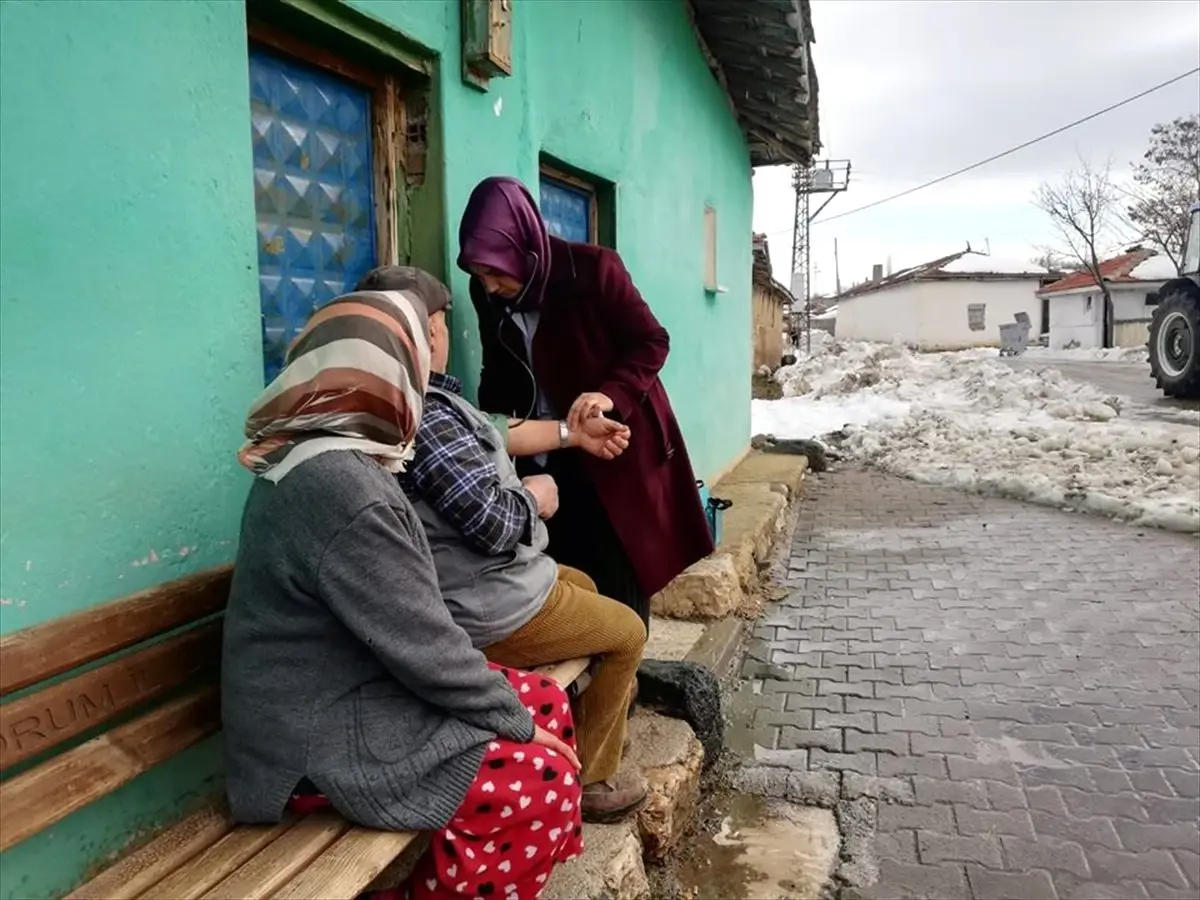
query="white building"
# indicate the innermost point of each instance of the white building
(1078, 317)
(951, 303)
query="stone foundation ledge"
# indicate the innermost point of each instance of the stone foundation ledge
(612, 866)
(761, 487)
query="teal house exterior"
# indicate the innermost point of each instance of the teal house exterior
(183, 181)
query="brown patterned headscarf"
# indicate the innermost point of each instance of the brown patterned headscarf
(355, 379)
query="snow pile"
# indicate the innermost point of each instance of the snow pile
(970, 421)
(1094, 354)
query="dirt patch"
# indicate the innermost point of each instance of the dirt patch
(765, 387)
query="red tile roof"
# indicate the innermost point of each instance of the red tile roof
(1116, 269)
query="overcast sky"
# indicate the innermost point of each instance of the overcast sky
(912, 89)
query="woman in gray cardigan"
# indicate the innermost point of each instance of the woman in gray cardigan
(345, 681)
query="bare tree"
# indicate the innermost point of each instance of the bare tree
(1053, 261)
(1084, 207)
(1166, 183)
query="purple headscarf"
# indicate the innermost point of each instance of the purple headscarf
(502, 229)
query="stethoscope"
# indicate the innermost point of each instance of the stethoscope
(506, 309)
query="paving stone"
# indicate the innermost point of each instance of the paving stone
(863, 763)
(941, 790)
(931, 818)
(929, 766)
(900, 881)
(1139, 837)
(1088, 832)
(934, 848)
(1189, 864)
(1148, 865)
(1044, 853)
(993, 822)
(889, 790)
(1005, 797)
(895, 744)
(1085, 804)
(989, 885)
(791, 738)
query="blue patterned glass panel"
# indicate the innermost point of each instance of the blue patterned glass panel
(567, 210)
(311, 134)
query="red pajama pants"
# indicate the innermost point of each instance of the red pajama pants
(519, 818)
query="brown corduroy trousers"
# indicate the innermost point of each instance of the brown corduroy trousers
(575, 622)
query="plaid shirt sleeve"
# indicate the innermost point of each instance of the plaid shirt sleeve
(455, 475)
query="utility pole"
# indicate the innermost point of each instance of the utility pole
(831, 176)
(837, 271)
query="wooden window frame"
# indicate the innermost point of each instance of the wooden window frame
(550, 171)
(392, 168)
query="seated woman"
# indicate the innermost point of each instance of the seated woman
(488, 540)
(345, 681)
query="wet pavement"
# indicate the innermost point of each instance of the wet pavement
(996, 700)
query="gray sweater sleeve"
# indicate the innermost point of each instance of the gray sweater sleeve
(379, 580)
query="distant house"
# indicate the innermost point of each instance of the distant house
(1078, 317)
(951, 303)
(771, 303)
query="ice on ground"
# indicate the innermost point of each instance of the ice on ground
(970, 421)
(1094, 354)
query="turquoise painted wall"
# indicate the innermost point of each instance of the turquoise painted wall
(618, 89)
(129, 335)
(129, 322)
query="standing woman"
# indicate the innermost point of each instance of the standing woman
(566, 335)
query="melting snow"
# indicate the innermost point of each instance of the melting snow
(1156, 268)
(970, 421)
(982, 264)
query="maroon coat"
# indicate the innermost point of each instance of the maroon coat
(596, 333)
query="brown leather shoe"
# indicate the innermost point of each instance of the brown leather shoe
(606, 802)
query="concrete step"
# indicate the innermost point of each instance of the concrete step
(612, 865)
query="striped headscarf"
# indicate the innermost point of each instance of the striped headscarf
(355, 379)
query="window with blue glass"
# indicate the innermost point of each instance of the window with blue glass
(569, 209)
(313, 178)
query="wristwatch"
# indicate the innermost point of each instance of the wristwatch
(564, 435)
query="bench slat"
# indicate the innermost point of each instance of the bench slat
(218, 862)
(43, 651)
(144, 868)
(282, 859)
(53, 716)
(349, 866)
(35, 800)
(565, 673)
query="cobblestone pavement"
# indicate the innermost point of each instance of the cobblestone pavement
(1001, 701)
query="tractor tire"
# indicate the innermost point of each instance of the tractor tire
(1174, 345)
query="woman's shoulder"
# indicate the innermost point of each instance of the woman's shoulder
(339, 484)
(589, 263)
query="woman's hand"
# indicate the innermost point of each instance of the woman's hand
(601, 437)
(550, 742)
(586, 406)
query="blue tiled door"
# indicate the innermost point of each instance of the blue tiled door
(312, 193)
(567, 210)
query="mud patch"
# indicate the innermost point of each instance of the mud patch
(747, 847)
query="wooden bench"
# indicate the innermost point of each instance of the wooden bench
(156, 697)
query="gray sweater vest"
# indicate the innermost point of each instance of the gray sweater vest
(489, 596)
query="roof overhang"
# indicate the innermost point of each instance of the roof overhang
(761, 53)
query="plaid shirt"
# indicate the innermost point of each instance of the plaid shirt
(454, 473)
